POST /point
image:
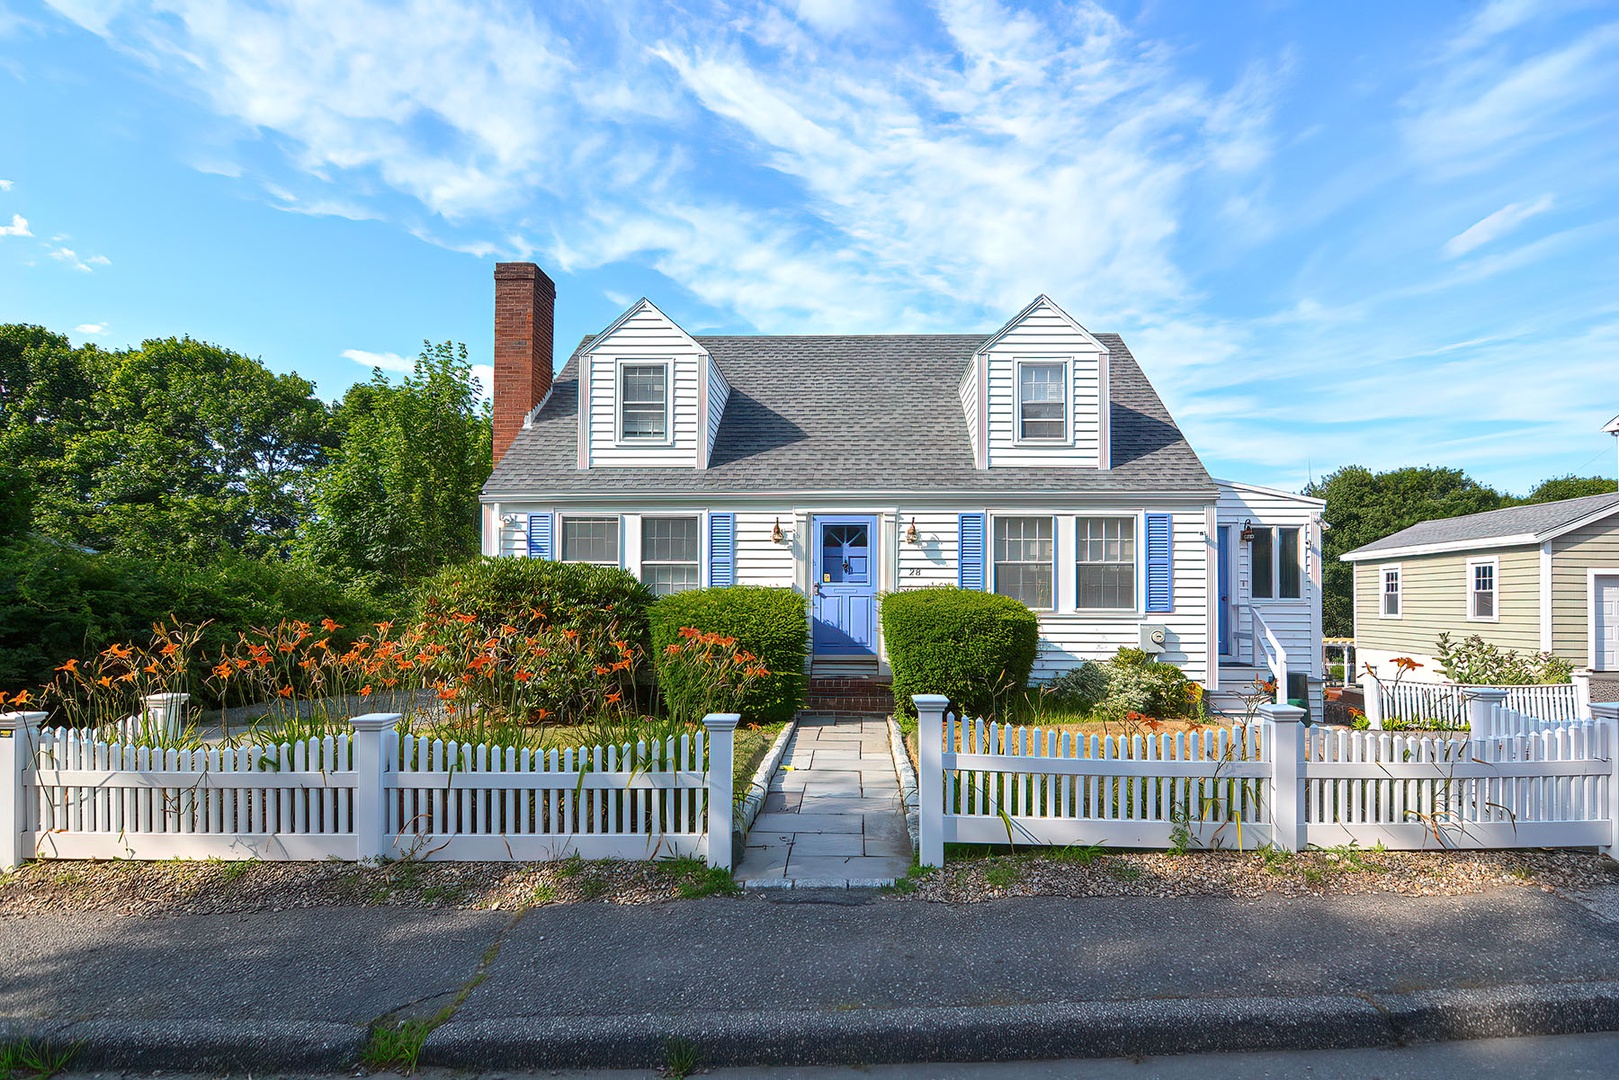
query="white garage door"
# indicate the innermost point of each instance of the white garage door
(1606, 600)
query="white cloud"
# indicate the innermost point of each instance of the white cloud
(69, 256)
(485, 374)
(18, 227)
(1494, 226)
(99, 260)
(90, 328)
(387, 361)
(6, 185)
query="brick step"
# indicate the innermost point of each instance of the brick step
(850, 693)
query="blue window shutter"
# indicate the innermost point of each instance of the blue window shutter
(721, 550)
(539, 537)
(1160, 564)
(970, 564)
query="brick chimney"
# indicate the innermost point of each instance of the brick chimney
(525, 302)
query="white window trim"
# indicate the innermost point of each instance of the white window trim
(1018, 365)
(1140, 519)
(1494, 563)
(1591, 576)
(668, 366)
(557, 536)
(1382, 572)
(1276, 596)
(702, 546)
(992, 571)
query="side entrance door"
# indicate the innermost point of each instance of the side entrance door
(1605, 622)
(845, 587)
(1223, 612)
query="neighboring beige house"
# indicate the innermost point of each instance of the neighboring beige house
(1534, 578)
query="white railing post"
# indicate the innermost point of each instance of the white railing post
(1482, 701)
(1371, 692)
(721, 764)
(1581, 678)
(370, 768)
(162, 713)
(16, 773)
(1284, 724)
(1606, 713)
(930, 734)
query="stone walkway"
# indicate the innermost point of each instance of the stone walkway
(832, 817)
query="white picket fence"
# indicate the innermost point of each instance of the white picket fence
(1447, 702)
(1513, 781)
(371, 795)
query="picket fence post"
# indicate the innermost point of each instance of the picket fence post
(17, 744)
(1606, 713)
(1581, 678)
(721, 764)
(930, 732)
(162, 713)
(1285, 726)
(370, 766)
(1482, 701)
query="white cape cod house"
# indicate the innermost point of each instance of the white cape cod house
(1035, 461)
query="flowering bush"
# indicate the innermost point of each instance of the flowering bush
(1472, 661)
(107, 687)
(703, 672)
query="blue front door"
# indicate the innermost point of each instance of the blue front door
(845, 586)
(1223, 616)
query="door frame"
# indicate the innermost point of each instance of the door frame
(872, 522)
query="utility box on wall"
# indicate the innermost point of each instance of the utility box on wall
(1154, 638)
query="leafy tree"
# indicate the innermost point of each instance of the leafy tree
(1570, 487)
(400, 497)
(1363, 506)
(47, 395)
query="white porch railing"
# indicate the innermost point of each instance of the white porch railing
(366, 796)
(1269, 647)
(1514, 781)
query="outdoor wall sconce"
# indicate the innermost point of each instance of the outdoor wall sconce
(1247, 533)
(910, 533)
(775, 532)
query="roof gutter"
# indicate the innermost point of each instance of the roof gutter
(1489, 543)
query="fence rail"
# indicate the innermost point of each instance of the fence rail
(1512, 781)
(372, 795)
(1447, 702)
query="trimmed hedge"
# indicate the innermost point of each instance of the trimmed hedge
(580, 596)
(771, 623)
(972, 647)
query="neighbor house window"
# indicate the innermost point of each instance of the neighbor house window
(1481, 586)
(1275, 567)
(1107, 563)
(644, 402)
(1023, 550)
(590, 540)
(670, 553)
(1041, 401)
(1391, 592)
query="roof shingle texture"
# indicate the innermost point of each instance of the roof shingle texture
(873, 414)
(1535, 520)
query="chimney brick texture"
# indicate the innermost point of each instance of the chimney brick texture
(525, 306)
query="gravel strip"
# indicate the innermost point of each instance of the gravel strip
(907, 783)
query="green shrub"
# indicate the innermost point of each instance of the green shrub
(576, 595)
(771, 623)
(1079, 689)
(972, 647)
(1136, 683)
(1475, 662)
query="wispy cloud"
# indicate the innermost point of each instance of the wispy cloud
(18, 227)
(387, 361)
(6, 185)
(1497, 225)
(90, 328)
(67, 255)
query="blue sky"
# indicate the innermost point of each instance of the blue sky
(1384, 234)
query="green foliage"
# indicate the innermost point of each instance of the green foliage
(58, 601)
(972, 647)
(34, 1060)
(772, 624)
(400, 497)
(1473, 661)
(1079, 689)
(1130, 682)
(579, 596)
(1570, 487)
(1363, 506)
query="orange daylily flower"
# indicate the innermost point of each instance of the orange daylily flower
(365, 691)
(384, 627)
(170, 649)
(285, 691)
(71, 667)
(614, 698)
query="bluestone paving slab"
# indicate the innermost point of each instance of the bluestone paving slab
(805, 844)
(805, 823)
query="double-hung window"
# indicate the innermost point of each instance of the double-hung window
(1276, 568)
(1390, 599)
(590, 540)
(1481, 589)
(1042, 401)
(643, 403)
(1107, 563)
(671, 550)
(1023, 553)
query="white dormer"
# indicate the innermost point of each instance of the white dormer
(1036, 395)
(652, 396)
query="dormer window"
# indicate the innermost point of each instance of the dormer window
(1042, 402)
(643, 403)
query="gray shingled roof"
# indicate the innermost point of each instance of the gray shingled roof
(1537, 520)
(853, 414)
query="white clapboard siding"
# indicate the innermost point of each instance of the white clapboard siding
(759, 559)
(969, 406)
(1296, 623)
(459, 801)
(644, 335)
(934, 558)
(97, 800)
(719, 392)
(1045, 333)
(1018, 785)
